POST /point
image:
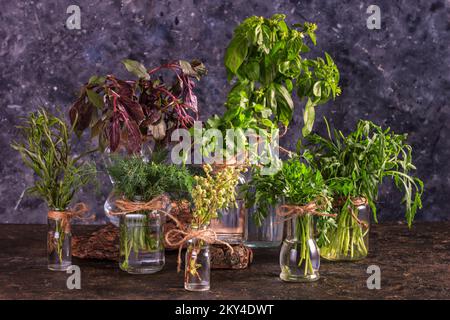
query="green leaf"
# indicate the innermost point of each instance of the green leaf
(317, 89)
(267, 123)
(312, 35)
(251, 70)
(271, 98)
(95, 98)
(236, 53)
(96, 80)
(308, 118)
(194, 69)
(284, 103)
(136, 68)
(289, 85)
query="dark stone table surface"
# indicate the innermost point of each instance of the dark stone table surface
(415, 264)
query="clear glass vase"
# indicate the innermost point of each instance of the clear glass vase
(230, 224)
(299, 255)
(59, 239)
(197, 270)
(349, 240)
(269, 234)
(142, 242)
(108, 160)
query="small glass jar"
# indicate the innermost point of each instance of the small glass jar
(197, 270)
(299, 255)
(142, 242)
(230, 224)
(349, 240)
(267, 235)
(59, 240)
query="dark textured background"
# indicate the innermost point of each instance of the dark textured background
(398, 76)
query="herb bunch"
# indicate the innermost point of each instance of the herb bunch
(135, 177)
(356, 165)
(45, 148)
(265, 57)
(131, 112)
(212, 192)
(262, 191)
(303, 184)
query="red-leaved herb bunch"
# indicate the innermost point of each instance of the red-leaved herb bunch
(129, 113)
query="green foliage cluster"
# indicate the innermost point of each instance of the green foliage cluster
(213, 191)
(135, 177)
(355, 165)
(303, 184)
(45, 148)
(265, 57)
(296, 183)
(262, 192)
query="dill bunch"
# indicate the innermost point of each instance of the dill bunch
(134, 177)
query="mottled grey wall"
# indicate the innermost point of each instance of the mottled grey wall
(397, 76)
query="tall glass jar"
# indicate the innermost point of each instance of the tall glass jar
(349, 240)
(108, 160)
(299, 255)
(269, 234)
(197, 270)
(142, 242)
(59, 237)
(230, 224)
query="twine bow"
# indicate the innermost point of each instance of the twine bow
(126, 206)
(65, 216)
(206, 235)
(356, 202)
(289, 211)
(359, 201)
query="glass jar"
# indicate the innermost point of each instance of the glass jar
(349, 240)
(108, 160)
(59, 240)
(110, 207)
(230, 224)
(299, 255)
(197, 270)
(267, 235)
(142, 242)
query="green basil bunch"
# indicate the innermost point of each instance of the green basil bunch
(265, 58)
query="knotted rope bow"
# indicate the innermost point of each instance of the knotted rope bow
(359, 201)
(289, 211)
(356, 202)
(126, 206)
(65, 216)
(207, 235)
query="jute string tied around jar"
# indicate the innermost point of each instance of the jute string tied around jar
(356, 202)
(206, 235)
(78, 211)
(126, 206)
(290, 211)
